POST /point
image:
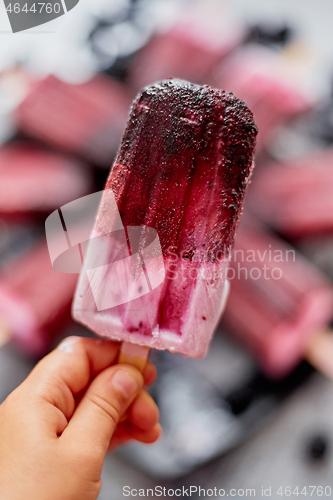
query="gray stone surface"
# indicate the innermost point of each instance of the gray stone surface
(276, 456)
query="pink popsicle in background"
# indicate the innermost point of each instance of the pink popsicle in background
(278, 304)
(34, 180)
(35, 301)
(181, 173)
(262, 79)
(295, 197)
(191, 48)
(85, 119)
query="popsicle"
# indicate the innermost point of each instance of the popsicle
(295, 197)
(197, 42)
(36, 180)
(279, 302)
(154, 271)
(85, 119)
(35, 301)
(270, 83)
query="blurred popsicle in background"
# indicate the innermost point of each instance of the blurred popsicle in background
(86, 119)
(35, 181)
(296, 197)
(279, 302)
(193, 46)
(268, 82)
(35, 301)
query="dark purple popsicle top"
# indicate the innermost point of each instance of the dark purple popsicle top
(183, 166)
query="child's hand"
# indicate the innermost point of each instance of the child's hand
(56, 427)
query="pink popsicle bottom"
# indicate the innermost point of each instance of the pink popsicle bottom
(150, 300)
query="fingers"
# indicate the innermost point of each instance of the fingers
(144, 413)
(126, 432)
(141, 424)
(59, 382)
(105, 401)
(67, 370)
(149, 373)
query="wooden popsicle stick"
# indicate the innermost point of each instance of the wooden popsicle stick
(319, 352)
(134, 354)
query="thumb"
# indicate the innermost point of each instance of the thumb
(105, 401)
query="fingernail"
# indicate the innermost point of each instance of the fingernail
(125, 383)
(67, 345)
